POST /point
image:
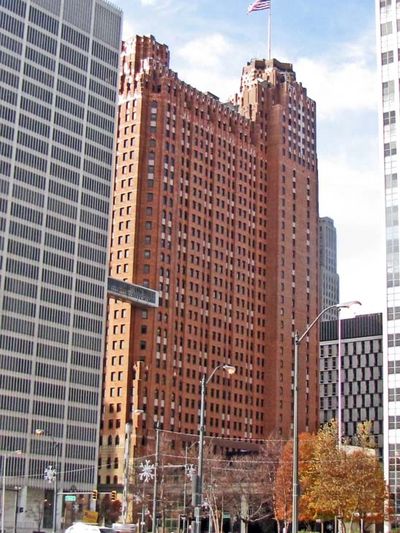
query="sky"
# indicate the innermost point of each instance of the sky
(332, 48)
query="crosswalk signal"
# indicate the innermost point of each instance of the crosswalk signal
(94, 495)
(113, 495)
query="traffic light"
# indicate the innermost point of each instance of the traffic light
(95, 493)
(113, 495)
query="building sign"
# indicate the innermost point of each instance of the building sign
(90, 517)
(135, 294)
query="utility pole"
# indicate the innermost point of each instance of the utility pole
(157, 459)
(127, 456)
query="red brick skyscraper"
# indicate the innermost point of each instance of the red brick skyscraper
(215, 205)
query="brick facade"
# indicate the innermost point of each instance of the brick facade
(216, 206)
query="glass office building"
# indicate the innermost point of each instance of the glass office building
(58, 90)
(388, 39)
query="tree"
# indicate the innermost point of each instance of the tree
(110, 510)
(369, 490)
(364, 436)
(284, 479)
(335, 481)
(326, 487)
(346, 481)
(251, 482)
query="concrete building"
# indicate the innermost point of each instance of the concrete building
(329, 278)
(59, 69)
(362, 374)
(389, 113)
(216, 204)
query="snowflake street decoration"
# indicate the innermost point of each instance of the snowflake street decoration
(147, 471)
(190, 471)
(50, 474)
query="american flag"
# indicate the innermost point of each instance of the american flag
(258, 5)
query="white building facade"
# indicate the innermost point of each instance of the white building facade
(388, 39)
(58, 90)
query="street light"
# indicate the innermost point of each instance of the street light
(17, 490)
(127, 458)
(199, 486)
(3, 491)
(346, 305)
(56, 446)
(297, 340)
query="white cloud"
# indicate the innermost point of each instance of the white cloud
(156, 17)
(205, 62)
(353, 197)
(342, 82)
(128, 29)
(207, 51)
(336, 88)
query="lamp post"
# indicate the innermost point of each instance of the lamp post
(127, 459)
(3, 488)
(155, 487)
(199, 486)
(347, 305)
(17, 490)
(56, 446)
(297, 340)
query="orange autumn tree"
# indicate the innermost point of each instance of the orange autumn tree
(326, 489)
(346, 481)
(284, 477)
(369, 493)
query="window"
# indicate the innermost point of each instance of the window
(389, 149)
(393, 313)
(394, 395)
(387, 57)
(386, 28)
(389, 117)
(392, 216)
(390, 180)
(393, 340)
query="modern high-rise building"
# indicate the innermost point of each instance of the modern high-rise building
(387, 26)
(58, 85)
(361, 376)
(216, 205)
(329, 278)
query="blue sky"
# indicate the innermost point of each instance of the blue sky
(332, 47)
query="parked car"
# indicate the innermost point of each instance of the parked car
(81, 527)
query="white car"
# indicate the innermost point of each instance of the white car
(81, 527)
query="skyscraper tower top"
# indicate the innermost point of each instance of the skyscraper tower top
(271, 70)
(216, 204)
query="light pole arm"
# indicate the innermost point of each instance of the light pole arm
(310, 326)
(207, 380)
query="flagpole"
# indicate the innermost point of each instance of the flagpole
(270, 32)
